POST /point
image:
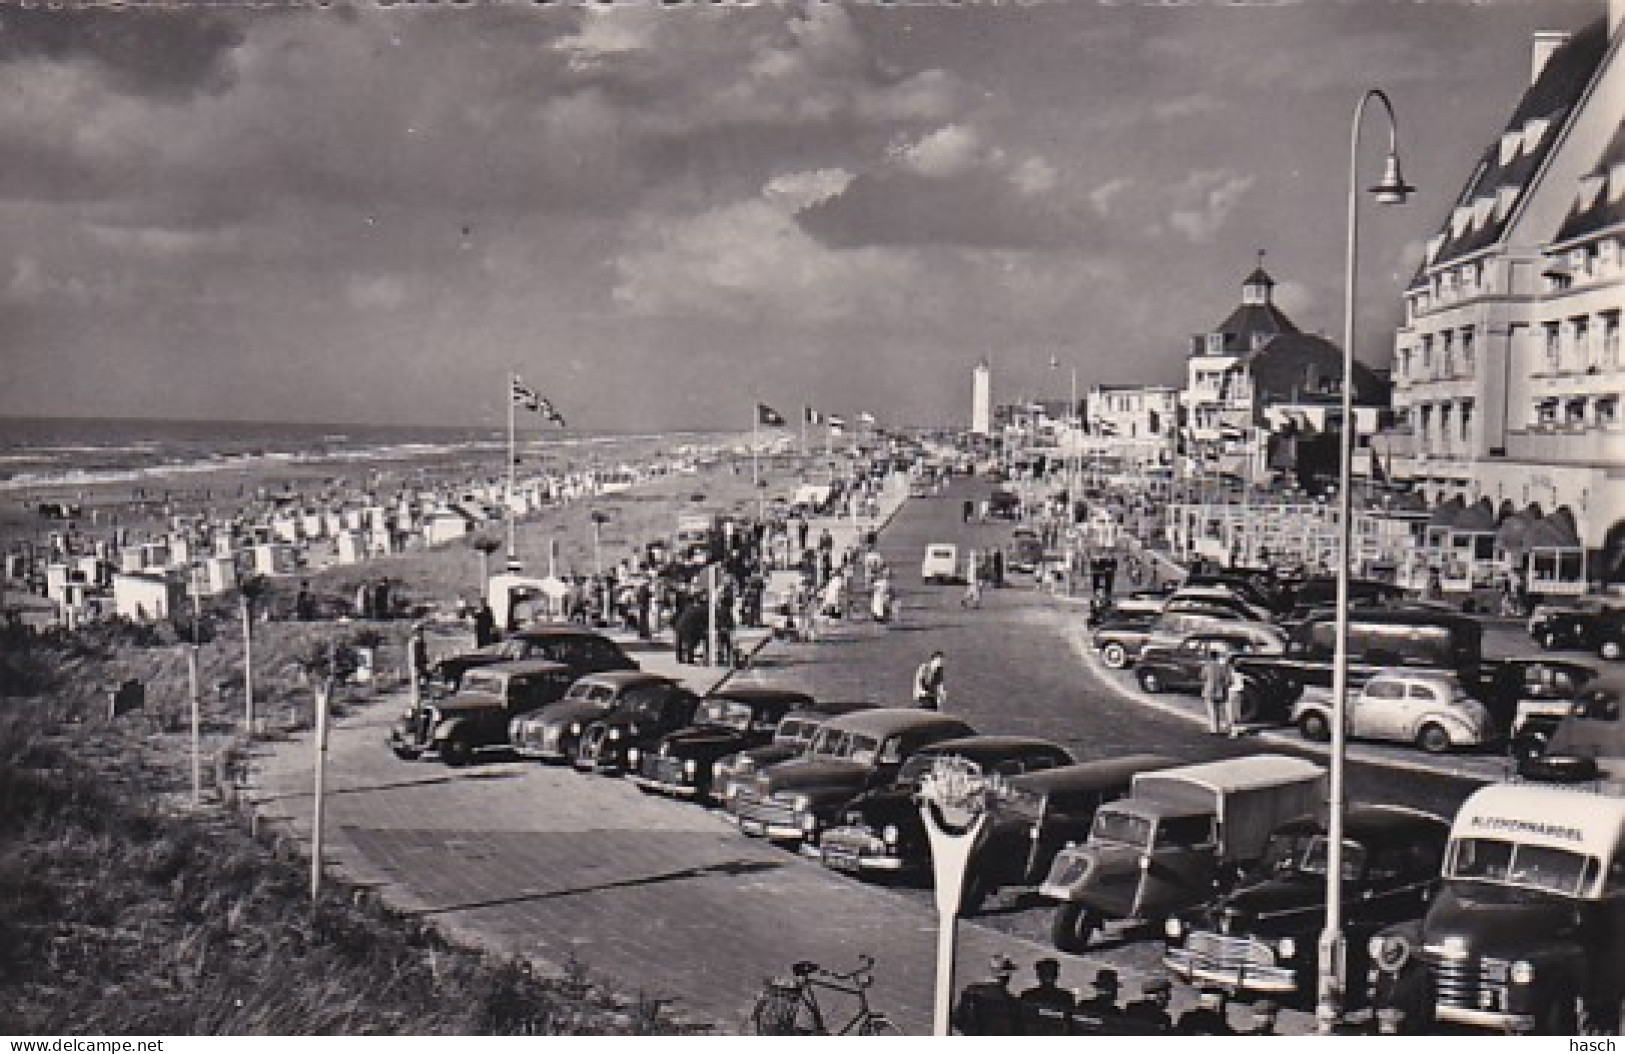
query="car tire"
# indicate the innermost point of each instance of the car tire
(1314, 727)
(407, 753)
(1433, 738)
(456, 753)
(1612, 650)
(1074, 926)
(1150, 682)
(1115, 656)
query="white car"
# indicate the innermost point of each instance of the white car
(1430, 709)
(941, 563)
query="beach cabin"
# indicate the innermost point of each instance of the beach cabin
(57, 577)
(154, 554)
(272, 559)
(447, 525)
(313, 525)
(219, 575)
(350, 547)
(130, 562)
(285, 529)
(517, 600)
(146, 597)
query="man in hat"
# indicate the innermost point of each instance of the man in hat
(1207, 1018)
(1103, 1004)
(987, 1008)
(1264, 1014)
(1149, 1014)
(1045, 1005)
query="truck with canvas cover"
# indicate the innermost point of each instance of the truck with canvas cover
(1180, 837)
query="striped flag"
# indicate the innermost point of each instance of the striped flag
(865, 417)
(766, 415)
(836, 421)
(811, 416)
(526, 396)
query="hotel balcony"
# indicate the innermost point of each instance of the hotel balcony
(1567, 445)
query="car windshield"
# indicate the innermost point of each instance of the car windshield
(863, 749)
(1306, 855)
(1016, 801)
(728, 713)
(1121, 827)
(511, 649)
(592, 693)
(793, 731)
(639, 707)
(479, 681)
(831, 743)
(1516, 864)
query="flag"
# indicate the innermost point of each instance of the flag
(524, 396)
(865, 417)
(836, 421)
(766, 415)
(811, 416)
(1231, 432)
(548, 412)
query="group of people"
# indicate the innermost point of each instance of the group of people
(991, 1008)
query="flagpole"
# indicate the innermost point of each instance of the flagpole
(513, 379)
(755, 441)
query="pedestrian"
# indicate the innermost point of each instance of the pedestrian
(1148, 1015)
(304, 605)
(930, 689)
(1045, 1006)
(1207, 1018)
(880, 598)
(485, 625)
(967, 510)
(1264, 1014)
(1103, 1004)
(998, 568)
(988, 1008)
(1216, 691)
(417, 650)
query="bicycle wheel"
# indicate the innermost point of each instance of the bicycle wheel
(878, 1025)
(782, 1010)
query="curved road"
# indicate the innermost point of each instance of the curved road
(668, 898)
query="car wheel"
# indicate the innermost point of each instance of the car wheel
(1314, 727)
(1433, 739)
(456, 753)
(1612, 650)
(1114, 655)
(1150, 681)
(1073, 927)
(1527, 748)
(408, 753)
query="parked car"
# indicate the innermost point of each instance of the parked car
(729, 720)
(1428, 708)
(1312, 594)
(1182, 835)
(941, 563)
(1120, 646)
(1548, 691)
(582, 650)
(1596, 629)
(477, 715)
(1179, 668)
(881, 831)
(1261, 938)
(793, 735)
(1003, 504)
(1218, 596)
(635, 723)
(1025, 551)
(795, 799)
(1033, 817)
(553, 733)
(1263, 592)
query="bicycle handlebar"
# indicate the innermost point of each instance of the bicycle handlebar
(861, 975)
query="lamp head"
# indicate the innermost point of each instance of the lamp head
(1392, 189)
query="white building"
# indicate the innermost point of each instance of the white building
(1138, 425)
(981, 399)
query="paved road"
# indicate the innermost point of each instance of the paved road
(667, 897)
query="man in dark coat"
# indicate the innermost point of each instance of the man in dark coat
(1148, 1015)
(485, 625)
(987, 1008)
(1045, 1005)
(692, 624)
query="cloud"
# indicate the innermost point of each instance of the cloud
(1035, 176)
(1186, 106)
(377, 292)
(950, 151)
(167, 57)
(1205, 200)
(1101, 197)
(799, 190)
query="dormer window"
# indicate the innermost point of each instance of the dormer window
(1511, 145)
(1215, 343)
(1259, 340)
(1504, 198)
(1534, 130)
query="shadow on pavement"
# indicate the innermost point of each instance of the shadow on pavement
(730, 867)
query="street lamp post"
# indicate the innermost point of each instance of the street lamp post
(1392, 190)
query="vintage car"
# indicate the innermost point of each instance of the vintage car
(554, 733)
(636, 722)
(1032, 817)
(1179, 668)
(1261, 938)
(730, 719)
(1430, 708)
(793, 735)
(1120, 646)
(477, 715)
(1598, 628)
(1218, 597)
(1548, 691)
(940, 564)
(882, 832)
(794, 800)
(1025, 551)
(582, 650)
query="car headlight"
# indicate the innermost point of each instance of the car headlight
(690, 767)
(1523, 972)
(575, 728)
(632, 756)
(1286, 947)
(809, 822)
(615, 733)
(719, 771)
(1389, 951)
(889, 834)
(1173, 929)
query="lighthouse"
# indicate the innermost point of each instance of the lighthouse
(981, 399)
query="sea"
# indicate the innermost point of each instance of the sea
(41, 452)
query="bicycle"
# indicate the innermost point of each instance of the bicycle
(790, 1007)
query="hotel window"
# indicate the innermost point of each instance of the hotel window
(1404, 364)
(1554, 347)
(1580, 327)
(1467, 421)
(1444, 424)
(1608, 411)
(1427, 356)
(1610, 338)
(1425, 419)
(1546, 412)
(1447, 351)
(1574, 412)
(1467, 351)
(1215, 343)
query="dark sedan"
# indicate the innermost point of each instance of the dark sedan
(793, 736)
(1600, 630)
(582, 650)
(1261, 938)
(729, 720)
(634, 724)
(1179, 668)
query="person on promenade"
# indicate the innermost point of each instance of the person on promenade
(1103, 1004)
(1045, 1005)
(304, 605)
(967, 510)
(973, 582)
(1216, 692)
(880, 602)
(1148, 1015)
(930, 689)
(1265, 1013)
(988, 1008)
(485, 625)
(417, 651)
(1207, 1018)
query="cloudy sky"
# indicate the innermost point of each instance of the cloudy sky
(658, 214)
